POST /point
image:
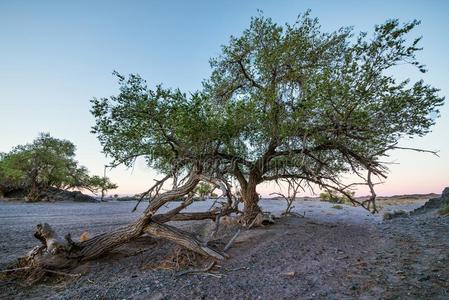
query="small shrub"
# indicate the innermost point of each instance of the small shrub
(337, 206)
(395, 214)
(444, 211)
(334, 197)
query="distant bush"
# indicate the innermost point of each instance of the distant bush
(337, 206)
(335, 197)
(204, 190)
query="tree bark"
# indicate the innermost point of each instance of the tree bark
(250, 200)
(104, 243)
(182, 238)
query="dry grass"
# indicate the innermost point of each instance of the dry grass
(400, 201)
(178, 259)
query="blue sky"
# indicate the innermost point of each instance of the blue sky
(56, 55)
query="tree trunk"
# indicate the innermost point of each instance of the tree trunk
(104, 243)
(250, 200)
(33, 194)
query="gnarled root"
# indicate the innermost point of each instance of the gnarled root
(262, 219)
(65, 254)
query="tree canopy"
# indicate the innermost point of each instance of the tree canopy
(282, 102)
(46, 162)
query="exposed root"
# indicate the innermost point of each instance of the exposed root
(262, 219)
(294, 214)
(231, 241)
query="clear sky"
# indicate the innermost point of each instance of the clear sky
(56, 55)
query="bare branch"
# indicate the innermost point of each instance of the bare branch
(156, 187)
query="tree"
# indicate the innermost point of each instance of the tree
(283, 102)
(100, 184)
(46, 162)
(293, 188)
(204, 189)
(336, 197)
(317, 105)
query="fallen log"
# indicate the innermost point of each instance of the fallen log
(58, 255)
(183, 238)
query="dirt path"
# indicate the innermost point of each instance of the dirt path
(297, 258)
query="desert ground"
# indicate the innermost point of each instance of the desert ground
(327, 253)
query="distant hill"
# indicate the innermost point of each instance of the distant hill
(51, 195)
(379, 198)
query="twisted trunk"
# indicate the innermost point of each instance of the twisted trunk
(101, 244)
(250, 200)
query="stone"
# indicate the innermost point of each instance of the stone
(434, 203)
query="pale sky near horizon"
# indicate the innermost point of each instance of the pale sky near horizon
(56, 55)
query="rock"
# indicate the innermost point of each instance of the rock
(54, 194)
(264, 218)
(157, 296)
(424, 278)
(434, 203)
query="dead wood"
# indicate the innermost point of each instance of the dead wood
(197, 271)
(229, 244)
(15, 270)
(183, 238)
(61, 273)
(57, 255)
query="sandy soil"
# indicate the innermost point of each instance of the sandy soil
(330, 254)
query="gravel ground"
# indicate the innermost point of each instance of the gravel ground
(330, 254)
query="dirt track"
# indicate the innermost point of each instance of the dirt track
(330, 254)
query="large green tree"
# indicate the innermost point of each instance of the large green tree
(282, 102)
(319, 104)
(44, 163)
